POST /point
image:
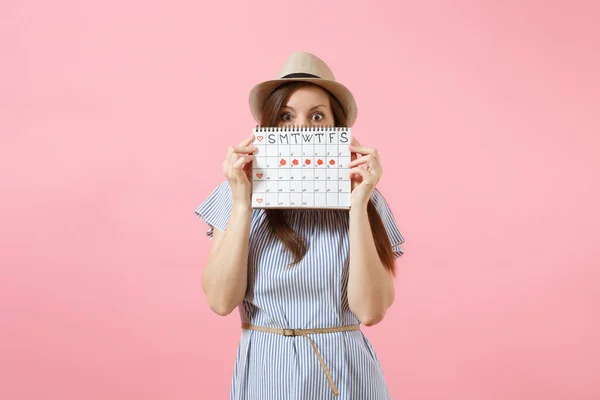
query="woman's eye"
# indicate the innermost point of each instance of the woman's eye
(286, 117)
(318, 117)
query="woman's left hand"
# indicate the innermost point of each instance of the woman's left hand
(365, 172)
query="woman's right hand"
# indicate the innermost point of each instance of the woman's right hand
(237, 168)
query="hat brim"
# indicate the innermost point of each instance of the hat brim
(260, 93)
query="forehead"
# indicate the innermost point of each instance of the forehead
(307, 96)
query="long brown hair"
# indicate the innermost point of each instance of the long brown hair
(275, 218)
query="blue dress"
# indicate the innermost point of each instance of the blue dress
(312, 294)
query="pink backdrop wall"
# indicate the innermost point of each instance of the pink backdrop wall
(115, 115)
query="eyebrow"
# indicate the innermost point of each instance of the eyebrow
(315, 107)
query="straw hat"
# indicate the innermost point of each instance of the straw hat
(304, 67)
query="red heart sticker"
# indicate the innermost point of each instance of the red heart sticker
(259, 175)
(259, 200)
(260, 138)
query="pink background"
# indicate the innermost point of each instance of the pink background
(115, 116)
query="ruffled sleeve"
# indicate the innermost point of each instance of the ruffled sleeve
(389, 222)
(216, 208)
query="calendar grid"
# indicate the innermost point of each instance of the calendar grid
(301, 168)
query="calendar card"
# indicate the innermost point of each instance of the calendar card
(304, 167)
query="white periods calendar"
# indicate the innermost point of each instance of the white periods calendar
(301, 167)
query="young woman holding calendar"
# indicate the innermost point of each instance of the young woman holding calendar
(303, 279)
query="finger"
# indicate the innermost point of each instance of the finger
(232, 156)
(359, 161)
(362, 150)
(375, 162)
(372, 163)
(359, 171)
(366, 175)
(246, 141)
(353, 155)
(244, 149)
(243, 160)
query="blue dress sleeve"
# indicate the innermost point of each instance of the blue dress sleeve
(389, 222)
(216, 208)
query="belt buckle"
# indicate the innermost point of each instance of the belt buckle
(288, 332)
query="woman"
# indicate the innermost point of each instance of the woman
(303, 280)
